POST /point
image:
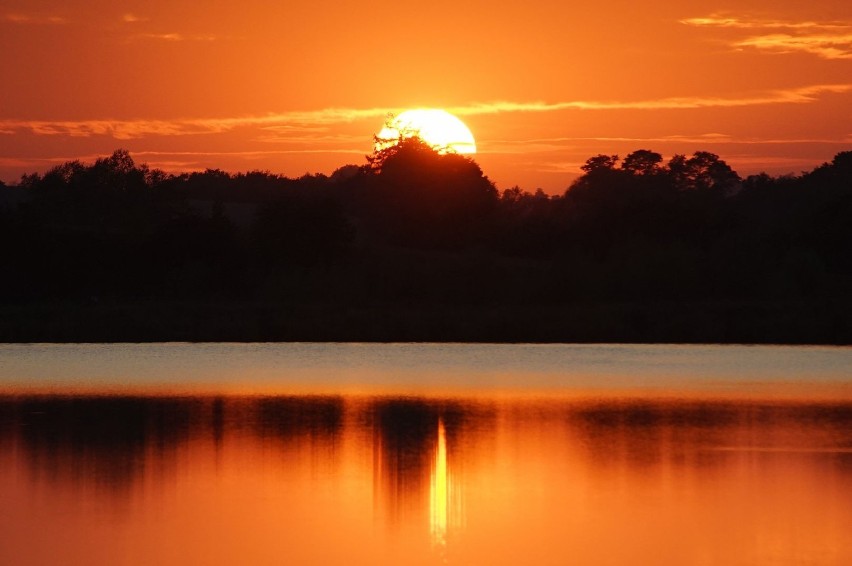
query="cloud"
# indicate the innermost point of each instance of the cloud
(33, 19)
(175, 37)
(829, 40)
(283, 129)
(299, 120)
(744, 23)
(118, 129)
(712, 138)
(168, 36)
(797, 95)
(825, 45)
(561, 144)
(246, 154)
(132, 18)
(313, 139)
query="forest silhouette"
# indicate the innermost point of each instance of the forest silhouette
(418, 244)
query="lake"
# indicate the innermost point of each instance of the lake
(215, 454)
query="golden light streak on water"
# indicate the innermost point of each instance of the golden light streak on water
(439, 492)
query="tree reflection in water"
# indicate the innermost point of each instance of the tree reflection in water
(494, 481)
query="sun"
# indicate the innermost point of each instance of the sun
(438, 128)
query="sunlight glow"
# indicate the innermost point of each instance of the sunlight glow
(438, 128)
(438, 493)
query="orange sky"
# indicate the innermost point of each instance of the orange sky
(302, 87)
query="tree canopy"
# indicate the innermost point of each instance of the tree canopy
(413, 225)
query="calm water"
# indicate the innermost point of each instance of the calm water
(175, 454)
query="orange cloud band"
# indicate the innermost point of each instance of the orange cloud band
(130, 129)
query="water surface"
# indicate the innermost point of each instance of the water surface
(261, 454)
(429, 369)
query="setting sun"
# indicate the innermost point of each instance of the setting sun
(438, 128)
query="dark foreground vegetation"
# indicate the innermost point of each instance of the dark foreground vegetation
(415, 245)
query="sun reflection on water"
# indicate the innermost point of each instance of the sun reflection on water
(438, 493)
(445, 504)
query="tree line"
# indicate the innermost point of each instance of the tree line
(416, 228)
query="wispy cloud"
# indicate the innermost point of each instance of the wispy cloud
(829, 40)
(129, 129)
(308, 138)
(21, 18)
(713, 138)
(175, 37)
(560, 144)
(301, 119)
(797, 95)
(754, 23)
(131, 18)
(118, 129)
(290, 129)
(135, 21)
(249, 154)
(827, 46)
(553, 144)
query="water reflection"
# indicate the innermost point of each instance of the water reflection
(404, 440)
(100, 440)
(642, 435)
(439, 493)
(332, 479)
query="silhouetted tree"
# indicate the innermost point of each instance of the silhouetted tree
(426, 198)
(642, 162)
(679, 171)
(704, 171)
(529, 224)
(118, 172)
(345, 173)
(600, 161)
(837, 175)
(68, 175)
